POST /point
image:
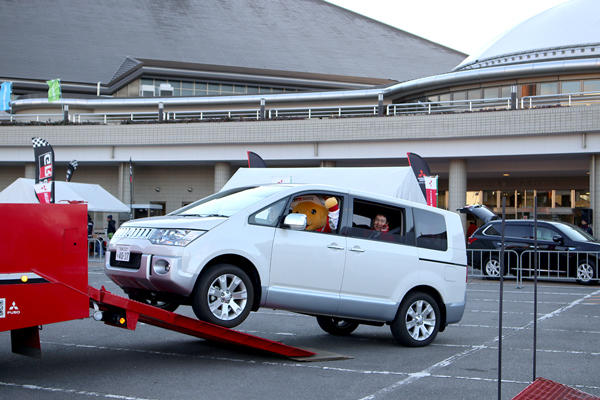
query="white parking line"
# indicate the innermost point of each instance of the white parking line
(70, 391)
(452, 359)
(237, 360)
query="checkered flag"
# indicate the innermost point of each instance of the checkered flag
(39, 142)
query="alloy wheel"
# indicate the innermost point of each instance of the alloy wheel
(227, 297)
(420, 320)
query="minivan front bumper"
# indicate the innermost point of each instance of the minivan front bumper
(155, 273)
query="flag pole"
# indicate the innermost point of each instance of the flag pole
(130, 189)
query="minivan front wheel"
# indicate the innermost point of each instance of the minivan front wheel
(337, 326)
(224, 296)
(417, 321)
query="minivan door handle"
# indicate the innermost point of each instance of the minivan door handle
(357, 249)
(335, 246)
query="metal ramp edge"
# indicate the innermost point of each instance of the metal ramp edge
(133, 311)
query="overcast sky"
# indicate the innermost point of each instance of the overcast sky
(464, 25)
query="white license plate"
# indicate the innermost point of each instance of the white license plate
(122, 253)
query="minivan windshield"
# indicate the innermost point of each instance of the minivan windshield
(228, 203)
(575, 233)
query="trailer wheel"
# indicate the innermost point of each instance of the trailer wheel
(337, 326)
(417, 321)
(224, 296)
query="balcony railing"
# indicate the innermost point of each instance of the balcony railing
(337, 111)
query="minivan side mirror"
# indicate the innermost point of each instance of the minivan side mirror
(557, 239)
(295, 221)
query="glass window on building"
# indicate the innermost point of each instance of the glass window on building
(459, 96)
(187, 89)
(239, 89)
(544, 198)
(474, 198)
(489, 198)
(445, 97)
(490, 93)
(214, 89)
(226, 89)
(200, 89)
(441, 199)
(548, 88)
(433, 98)
(505, 91)
(157, 84)
(176, 87)
(474, 94)
(562, 198)
(582, 198)
(252, 90)
(570, 87)
(591, 85)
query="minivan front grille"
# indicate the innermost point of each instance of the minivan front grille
(133, 233)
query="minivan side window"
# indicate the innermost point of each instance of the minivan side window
(430, 230)
(268, 216)
(381, 222)
(315, 207)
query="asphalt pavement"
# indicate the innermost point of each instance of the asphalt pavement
(86, 359)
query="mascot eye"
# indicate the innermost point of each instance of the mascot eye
(313, 211)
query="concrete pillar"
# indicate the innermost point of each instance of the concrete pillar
(30, 170)
(124, 186)
(457, 187)
(222, 174)
(595, 192)
(327, 164)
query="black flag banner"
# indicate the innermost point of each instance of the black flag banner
(420, 169)
(255, 161)
(44, 167)
(70, 169)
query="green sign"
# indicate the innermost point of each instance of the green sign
(53, 90)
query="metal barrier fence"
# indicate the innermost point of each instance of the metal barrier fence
(580, 266)
(95, 249)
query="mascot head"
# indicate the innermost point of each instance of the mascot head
(313, 208)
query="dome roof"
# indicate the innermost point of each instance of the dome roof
(567, 31)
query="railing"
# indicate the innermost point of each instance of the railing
(32, 117)
(418, 108)
(581, 266)
(323, 112)
(566, 99)
(437, 107)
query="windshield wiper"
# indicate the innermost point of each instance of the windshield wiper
(215, 215)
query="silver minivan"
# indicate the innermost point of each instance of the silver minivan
(245, 248)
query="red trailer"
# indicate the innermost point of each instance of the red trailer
(44, 280)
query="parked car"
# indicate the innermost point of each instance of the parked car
(565, 250)
(241, 249)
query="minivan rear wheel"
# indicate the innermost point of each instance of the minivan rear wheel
(224, 296)
(337, 326)
(417, 321)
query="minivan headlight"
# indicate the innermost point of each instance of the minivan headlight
(174, 237)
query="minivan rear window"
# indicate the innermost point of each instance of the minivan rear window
(431, 230)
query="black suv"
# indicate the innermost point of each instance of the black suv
(564, 250)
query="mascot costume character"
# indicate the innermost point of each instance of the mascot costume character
(321, 216)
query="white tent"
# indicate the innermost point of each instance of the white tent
(96, 197)
(398, 182)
